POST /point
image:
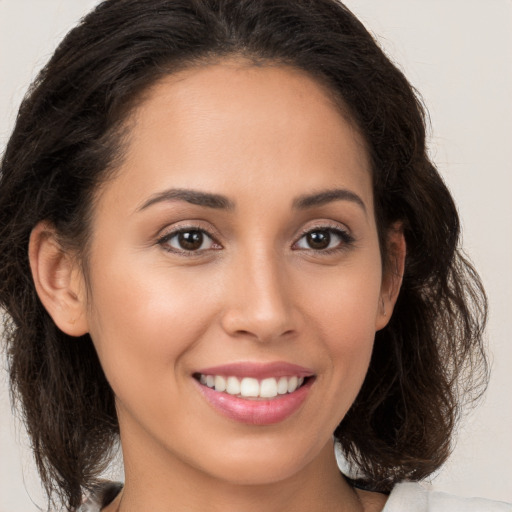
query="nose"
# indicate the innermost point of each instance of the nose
(259, 304)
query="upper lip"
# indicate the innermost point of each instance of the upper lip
(258, 370)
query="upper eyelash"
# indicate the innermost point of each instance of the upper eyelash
(167, 236)
(344, 234)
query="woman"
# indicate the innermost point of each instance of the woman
(222, 241)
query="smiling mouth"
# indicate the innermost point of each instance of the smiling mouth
(252, 388)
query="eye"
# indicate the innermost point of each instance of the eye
(324, 239)
(188, 240)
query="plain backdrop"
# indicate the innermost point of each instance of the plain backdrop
(458, 54)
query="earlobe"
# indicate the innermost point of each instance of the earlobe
(392, 275)
(58, 280)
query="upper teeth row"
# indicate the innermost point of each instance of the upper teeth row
(249, 387)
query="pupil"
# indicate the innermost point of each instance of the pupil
(319, 239)
(190, 240)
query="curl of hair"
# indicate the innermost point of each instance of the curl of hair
(68, 136)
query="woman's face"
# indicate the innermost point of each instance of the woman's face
(236, 247)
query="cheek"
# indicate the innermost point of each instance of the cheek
(142, 322)
(342, 312)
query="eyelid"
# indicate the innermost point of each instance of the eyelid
(171, 231)
(168, 233)
(344, 232)
(325, 225)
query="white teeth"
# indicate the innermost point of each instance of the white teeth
(292, 383)
(220, 383)
(282, 386)
(268, 388)
(233, 386)
(249, 387)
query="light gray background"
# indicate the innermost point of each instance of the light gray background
(458, 55)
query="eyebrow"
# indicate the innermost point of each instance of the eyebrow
(327, 196)
(221, 202)
(196, 197)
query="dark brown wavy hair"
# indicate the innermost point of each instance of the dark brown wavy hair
(68, 138)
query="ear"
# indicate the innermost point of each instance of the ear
(392, 274)
(58, 280)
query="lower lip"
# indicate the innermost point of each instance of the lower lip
(257, 412)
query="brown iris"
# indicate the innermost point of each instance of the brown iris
(318, 239)
(190, 240)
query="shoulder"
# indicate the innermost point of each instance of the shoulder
(100, 496)
(415, 497)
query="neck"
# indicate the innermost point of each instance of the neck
(163, 483)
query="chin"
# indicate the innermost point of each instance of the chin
(259, 466)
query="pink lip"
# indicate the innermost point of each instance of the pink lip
(256, 412)
(258, 370)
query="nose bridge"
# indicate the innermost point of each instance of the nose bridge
(260, 300)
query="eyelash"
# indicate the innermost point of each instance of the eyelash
(165, 239)
(346, 240)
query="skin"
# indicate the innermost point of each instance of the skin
(257, 292)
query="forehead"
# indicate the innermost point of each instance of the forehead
(234, 123)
